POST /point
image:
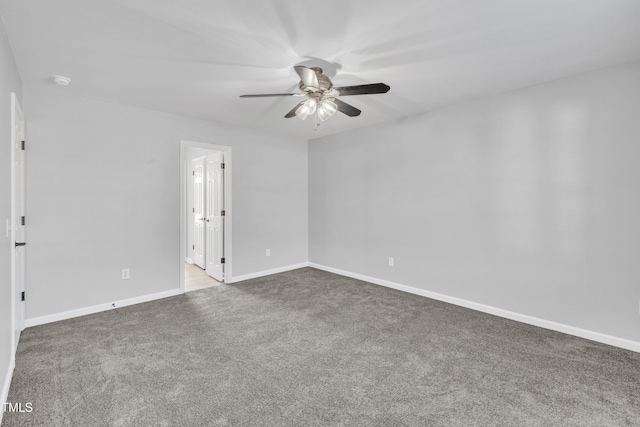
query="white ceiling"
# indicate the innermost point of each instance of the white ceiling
(195, 57)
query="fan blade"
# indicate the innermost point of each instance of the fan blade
(292, 113)
(307, 75)
(264, 95)
(363, 89)
(347, 109)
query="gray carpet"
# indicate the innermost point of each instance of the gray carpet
(307, 348)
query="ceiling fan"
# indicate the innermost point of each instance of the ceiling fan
(322, 97)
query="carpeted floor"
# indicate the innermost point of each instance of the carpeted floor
(307, 348)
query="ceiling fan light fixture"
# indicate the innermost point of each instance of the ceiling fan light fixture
(327, 109)
(323, 96)
(307, 108)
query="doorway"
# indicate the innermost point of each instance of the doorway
(205, 215)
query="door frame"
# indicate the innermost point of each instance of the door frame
(15, 322)
(228, 253)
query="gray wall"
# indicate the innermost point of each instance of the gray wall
(9, 82)
(528, 201)
(103, 186)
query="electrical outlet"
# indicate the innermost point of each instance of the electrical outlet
(125, 274)
(268, 252)
(391, 262)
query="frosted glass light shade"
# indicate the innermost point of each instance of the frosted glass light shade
(309, 107)
(327, 109)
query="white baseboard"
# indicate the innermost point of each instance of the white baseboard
(267, 272)
(189, 261)
(7, 384)
(98, 308)
(542, 323)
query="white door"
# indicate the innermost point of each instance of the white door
(215, 215)
(18, 218)
(198, 212)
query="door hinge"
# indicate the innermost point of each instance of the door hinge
(221, 165)
(193, 173)
(222, 213)
(20, 244)
(193, 210)
(22, 296)
(22, 220)
(22, 145)
(193, 247)
(222, 261)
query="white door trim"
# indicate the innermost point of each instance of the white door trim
(228, 253)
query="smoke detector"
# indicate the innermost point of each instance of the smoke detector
(61, 80)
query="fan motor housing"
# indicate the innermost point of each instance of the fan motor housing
(323, 81)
